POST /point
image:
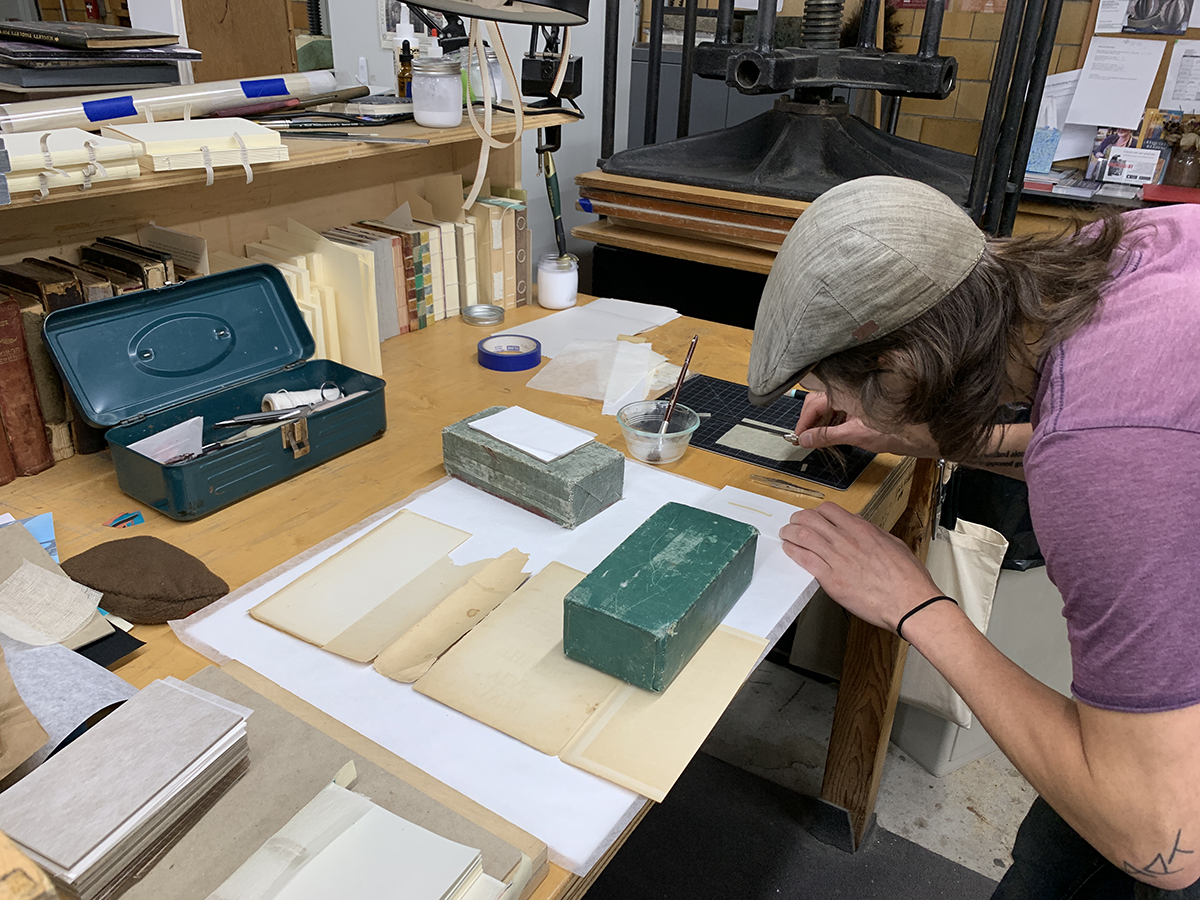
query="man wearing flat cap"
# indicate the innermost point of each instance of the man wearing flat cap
(918, 330)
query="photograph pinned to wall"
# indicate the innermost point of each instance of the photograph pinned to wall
(1157, 16)
(1144, 16)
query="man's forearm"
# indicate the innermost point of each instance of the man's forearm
(1128, 811)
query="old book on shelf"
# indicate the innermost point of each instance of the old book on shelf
(94, 286)
(121, 283)
(150, 272)
(85, 35)
(49, 284)
(86, 436)
(45, 56)
(52, 399)
(138, 250)
(23, 427)
(8, 471)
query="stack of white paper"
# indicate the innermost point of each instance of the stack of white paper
(342, 839)
(96, 813)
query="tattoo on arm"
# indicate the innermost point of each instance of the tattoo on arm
(1161, 865)
(1011, 459)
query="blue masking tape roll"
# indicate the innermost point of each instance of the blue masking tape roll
(509, 353)
(110, 108)
(265, 87)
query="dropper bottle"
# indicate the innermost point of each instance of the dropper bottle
(404, 45)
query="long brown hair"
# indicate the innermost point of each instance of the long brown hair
(949, 367)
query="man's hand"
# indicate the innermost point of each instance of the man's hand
(821, 425)
(865, 569)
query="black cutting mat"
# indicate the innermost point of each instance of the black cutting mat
(728, 404)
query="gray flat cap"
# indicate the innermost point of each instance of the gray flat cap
(865, 258)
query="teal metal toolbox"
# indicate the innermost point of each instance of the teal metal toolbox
(212, 348)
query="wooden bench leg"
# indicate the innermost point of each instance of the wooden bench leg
(870, 685)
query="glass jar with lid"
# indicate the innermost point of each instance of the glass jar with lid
(437, 92)
(558, 281)
(493, 64)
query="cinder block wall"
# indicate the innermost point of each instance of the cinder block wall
(971, 38)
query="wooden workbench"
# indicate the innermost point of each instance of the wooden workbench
(433, 380)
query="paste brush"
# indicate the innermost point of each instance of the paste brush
(655, 455)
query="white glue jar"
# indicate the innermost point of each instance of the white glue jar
(558, 281)
(437, 89)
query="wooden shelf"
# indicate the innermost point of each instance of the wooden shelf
(304, 154)
(747, 259)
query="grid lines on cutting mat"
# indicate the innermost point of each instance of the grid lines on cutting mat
(728, 404)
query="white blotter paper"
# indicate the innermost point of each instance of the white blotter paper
(578, 815)
(601, 320)
(540, 437)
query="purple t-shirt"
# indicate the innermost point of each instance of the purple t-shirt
(1114, 474)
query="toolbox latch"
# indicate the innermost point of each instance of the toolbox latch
(295, 437)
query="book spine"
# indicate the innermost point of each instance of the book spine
(8, 471)
(401, 297)
(524, 267)
(24, 429)
(59, 437)
(439, 283)
(87, 437)
(410, 284)
(468, 263)
(423, 316)
(450, 270)
(427, 276)
(40, 37)
(51, 397)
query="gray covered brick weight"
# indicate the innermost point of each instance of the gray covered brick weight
(568, 491)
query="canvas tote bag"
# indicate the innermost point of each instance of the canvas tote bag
(965, 564)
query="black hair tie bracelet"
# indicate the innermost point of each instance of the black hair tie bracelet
(916, 609)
